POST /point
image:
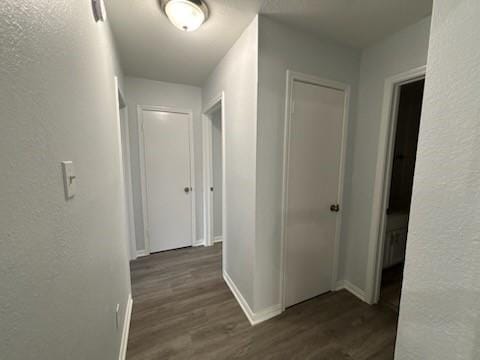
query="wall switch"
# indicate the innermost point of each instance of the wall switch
(69, 179)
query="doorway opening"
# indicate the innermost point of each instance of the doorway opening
(409, 110)
(122, 116)
(402, 114)
(214, 173)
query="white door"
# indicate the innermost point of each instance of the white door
(313, 178)
(166, 139)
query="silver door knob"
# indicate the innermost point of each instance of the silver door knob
(335, 208)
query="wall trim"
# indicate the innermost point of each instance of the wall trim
(218, 239)
(353, 289)
(126, 328)
(199, 242)
(253, 317)
(141, 253)
(267, 313)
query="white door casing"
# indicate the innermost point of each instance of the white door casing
(385, 149)
(167, 177)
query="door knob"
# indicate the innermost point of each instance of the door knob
(187, 190)
(335, 208)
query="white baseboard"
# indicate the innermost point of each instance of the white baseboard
(141, 253)
(218, 239)
(126, 328)
(355, 290)
(266, 314)
(199, 242)
(253, 317)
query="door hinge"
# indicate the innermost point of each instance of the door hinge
(293, 107)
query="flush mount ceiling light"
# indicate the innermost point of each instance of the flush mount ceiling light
(187, 15)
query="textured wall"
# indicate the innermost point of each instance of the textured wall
(440, 306)
(63, 264)
(398, 53)
(236, 75)
(158, 93)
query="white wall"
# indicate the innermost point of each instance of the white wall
(236, 75)
(148, 92)
(398, 53)
(216, 118)
(63, 264)
(283, 48)
(440, 305)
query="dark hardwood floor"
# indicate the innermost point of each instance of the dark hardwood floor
(183, 310)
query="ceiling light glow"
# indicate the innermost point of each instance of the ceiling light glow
(186, 15)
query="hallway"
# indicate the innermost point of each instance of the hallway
(182, 309)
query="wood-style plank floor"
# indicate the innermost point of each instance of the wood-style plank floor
(183, 310)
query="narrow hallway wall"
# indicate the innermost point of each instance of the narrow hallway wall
(440, 307)
(63, 263)
(236, 76)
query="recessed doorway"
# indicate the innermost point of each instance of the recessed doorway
(214, 172)
(401, 185)
(393, 189)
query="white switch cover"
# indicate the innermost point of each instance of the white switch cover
(69, 179)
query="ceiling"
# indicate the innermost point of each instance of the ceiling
(150, 47)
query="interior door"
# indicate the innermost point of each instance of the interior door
(168, 179)
(313, 178)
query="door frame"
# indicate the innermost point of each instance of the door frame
(121, 106)
(291, 77)
(383, 174)
(218, 100)
(143, 172)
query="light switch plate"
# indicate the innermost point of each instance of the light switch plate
(69, 179)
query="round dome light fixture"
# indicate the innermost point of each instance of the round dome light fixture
(186, 15)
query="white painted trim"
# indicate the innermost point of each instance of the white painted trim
(355, 290)
(238, 296)
(143, 176)
(208, 171)
(141, 253)
(126, 167)
(126, 328)
(290, 78)
(199, 242)
(218, 239)
(385, 149)
(253, 317)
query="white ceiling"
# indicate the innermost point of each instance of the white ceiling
(150, 47)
